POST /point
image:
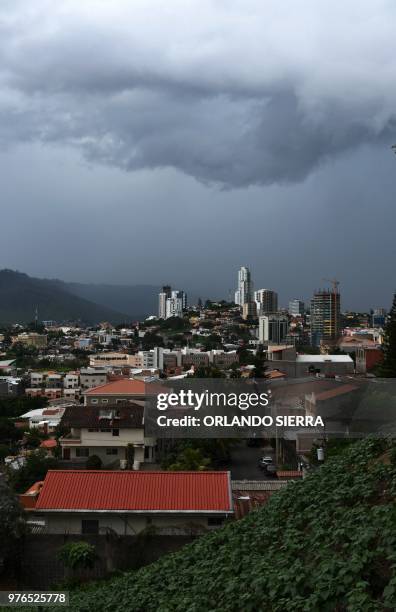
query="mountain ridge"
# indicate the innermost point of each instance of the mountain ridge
(21, 294)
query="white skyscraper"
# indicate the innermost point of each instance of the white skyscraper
(162, 298)
(296, 308)
(243, 295)
(171, 303)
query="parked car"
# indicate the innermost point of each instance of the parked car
(264, 462)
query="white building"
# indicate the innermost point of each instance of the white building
(243, 294)
(296, 308)
(171, 303)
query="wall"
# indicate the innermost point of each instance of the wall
(40, 568)
(122, 524)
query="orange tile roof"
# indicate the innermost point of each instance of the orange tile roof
(325, 395)
(125, 386)
(48, 444)
(135, 491)
(275, 374)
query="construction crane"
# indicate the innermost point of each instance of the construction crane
(334, 282)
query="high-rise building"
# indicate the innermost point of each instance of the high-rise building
(325, 317)
(273, 328)
(164, 294)
(171, 303)
(296, 308)
(243, 295)
(378, 317)
(266, 301)
(249, 310)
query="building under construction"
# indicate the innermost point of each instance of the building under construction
(325, 316)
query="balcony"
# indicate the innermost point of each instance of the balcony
(70, 439)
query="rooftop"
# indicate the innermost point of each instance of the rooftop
(125, 386)
(135, 491)
(324, 358)
(122, 416)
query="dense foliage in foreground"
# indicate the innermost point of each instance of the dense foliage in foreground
(327, 543)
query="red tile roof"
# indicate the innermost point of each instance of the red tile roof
(135, 491)
(125, 386)
(48, 444)
(342, 390)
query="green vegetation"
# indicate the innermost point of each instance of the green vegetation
(388, 367)
(36, 466)
(197, 454)
(11, 525)
(93, 463)
(325, 544)
(77, 555)
(190, 459)
(21, 294)
(13, 407)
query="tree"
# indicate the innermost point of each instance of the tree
(93, 463)
(35, 469)
(190, 459)
(11, 523)
(4, 452)
(388, 366)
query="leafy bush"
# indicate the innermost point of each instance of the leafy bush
(93, 463)
(77, 555)
(36, 467)
(322, 544)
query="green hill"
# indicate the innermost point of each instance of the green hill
(327, 543)
(21, 294)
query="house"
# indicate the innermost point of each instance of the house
(45, 419)
(249, 495)
(87, 502)
(10, 386)
(92, 377)
(118, 391)
(107, 431)
(8, 367)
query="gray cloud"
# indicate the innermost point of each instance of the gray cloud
(234, 93)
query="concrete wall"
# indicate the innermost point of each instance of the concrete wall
(123, 524)
(40, 568)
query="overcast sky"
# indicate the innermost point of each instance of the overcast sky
(148, 141)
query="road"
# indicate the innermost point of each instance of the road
(244, 461)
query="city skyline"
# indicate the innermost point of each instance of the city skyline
(128, 162)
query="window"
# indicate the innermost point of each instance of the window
(89, 526)
(111, 451)
(215, 521)
(94, 401)
(105, 401)
(116, 432)
(82, 452)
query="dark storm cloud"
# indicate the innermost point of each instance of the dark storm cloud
(235, 93)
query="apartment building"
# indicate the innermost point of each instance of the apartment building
(92, 377)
